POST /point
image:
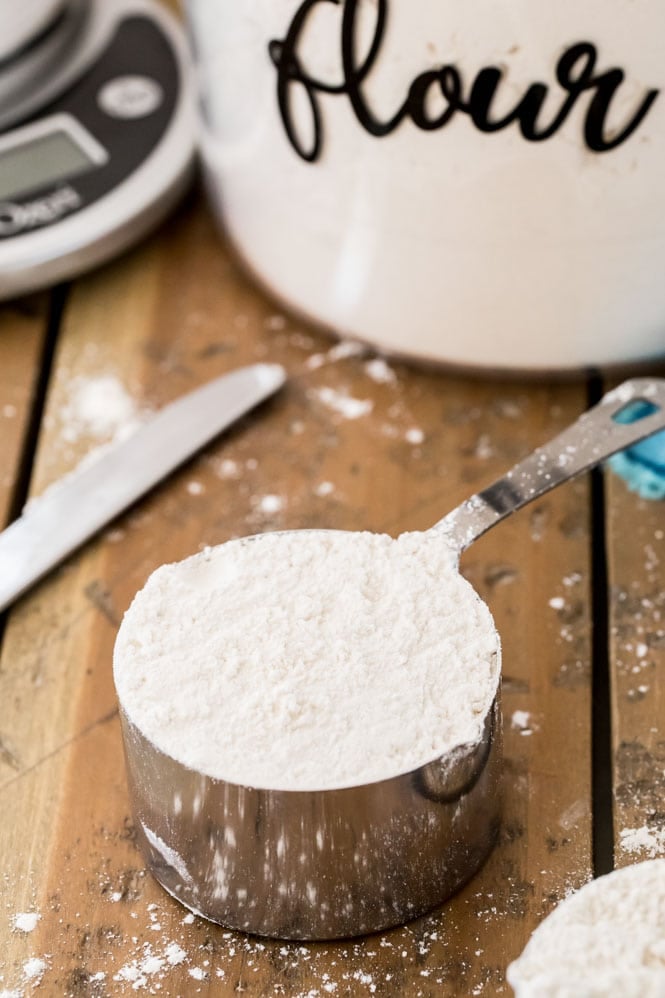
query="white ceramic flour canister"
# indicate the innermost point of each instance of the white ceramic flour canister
(477, 182)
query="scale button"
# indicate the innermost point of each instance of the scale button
(130, 97)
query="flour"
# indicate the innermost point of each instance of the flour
(521, 721)
(26, 921)
(98, 407)
(378, 370)
(342, 404)
(227, 468)
(608, 939)
(340, 351)
(414, 436)
(276, 323)
(134, 961)
(175, 954)
(34, 968)
(340, 658)
(644, 840)
(269, 504)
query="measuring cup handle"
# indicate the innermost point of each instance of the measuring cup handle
(624, 416)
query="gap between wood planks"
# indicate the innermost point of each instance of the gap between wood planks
(602, 791)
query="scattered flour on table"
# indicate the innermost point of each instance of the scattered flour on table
(139, 971)
(521, 721)
(275, 323)
(341, 403)
(379, 371)
(268, 504)
(227, 468)
(175, 954)
(141, 959)
(34, 969)
(645, 840)
(235, 959)
(608, 939)
(483, 448)
(340, 351)
(26, 921)
(348, 657)
(99, 407)
(414, 436)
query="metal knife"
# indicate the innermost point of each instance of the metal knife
(73, 509)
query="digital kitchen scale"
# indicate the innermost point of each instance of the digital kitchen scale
(97, 136)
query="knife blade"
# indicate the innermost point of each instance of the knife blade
(72, 510)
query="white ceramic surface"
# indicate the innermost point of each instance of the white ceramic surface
(446, 238)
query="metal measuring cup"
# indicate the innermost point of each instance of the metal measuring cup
(352, 860)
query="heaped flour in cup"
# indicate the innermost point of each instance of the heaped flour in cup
(309, 659)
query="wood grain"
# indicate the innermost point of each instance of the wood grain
(23, 327)
(636, 560)
(161, 320)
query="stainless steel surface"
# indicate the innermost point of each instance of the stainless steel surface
(344, 862)
(39, 73)
(596, 436)
(315, 865)
(72, 510)
(22, 23)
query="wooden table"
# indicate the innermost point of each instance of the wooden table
(575, 583)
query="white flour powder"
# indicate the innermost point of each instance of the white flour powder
(26, 921)
(98, 407)
(608, 939)
(309, 660)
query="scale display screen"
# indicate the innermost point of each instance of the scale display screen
(55, 154)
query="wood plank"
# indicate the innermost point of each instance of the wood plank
(161, 320)
(636, 560)
(23, 331)
(23, 326)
